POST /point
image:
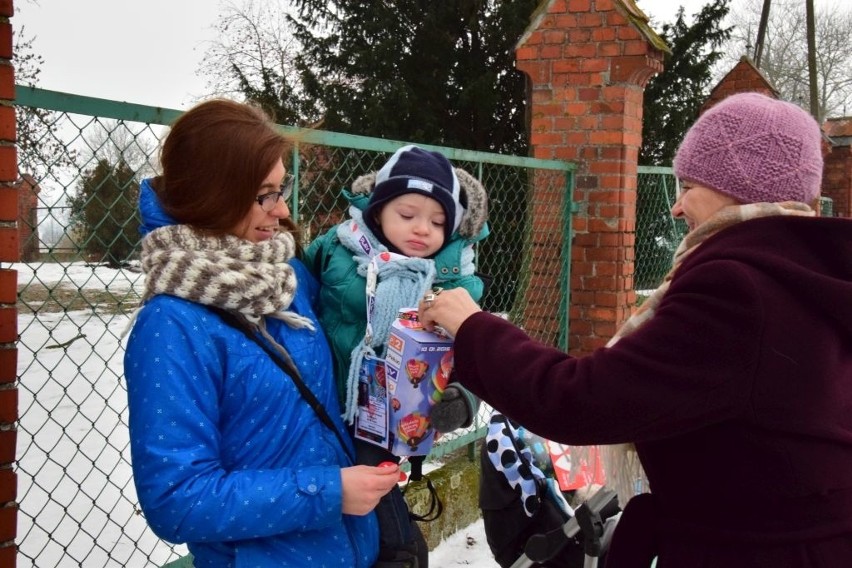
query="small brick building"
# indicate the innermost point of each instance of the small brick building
(837, 175)
(744, 77)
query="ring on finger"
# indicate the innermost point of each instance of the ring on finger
(429, 298)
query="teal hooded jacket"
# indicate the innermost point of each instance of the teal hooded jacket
(342, 303)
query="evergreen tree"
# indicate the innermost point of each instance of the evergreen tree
(673, 98)
(104, 213)
(431, 72)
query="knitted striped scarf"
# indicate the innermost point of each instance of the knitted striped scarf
(623, 470)
(250, 279)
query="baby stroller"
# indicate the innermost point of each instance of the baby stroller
(528, 520)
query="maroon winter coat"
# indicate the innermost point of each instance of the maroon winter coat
(737, 393)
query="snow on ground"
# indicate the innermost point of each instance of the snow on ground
(466, 547)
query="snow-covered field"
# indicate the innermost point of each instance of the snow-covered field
(75, 491)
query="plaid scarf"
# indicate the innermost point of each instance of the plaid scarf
(621, 462)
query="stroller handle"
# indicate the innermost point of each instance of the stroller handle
(586, 520)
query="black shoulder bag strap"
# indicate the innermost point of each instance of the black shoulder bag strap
(436, 507)
(290, 370)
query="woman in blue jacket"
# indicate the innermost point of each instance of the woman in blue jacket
(228, 456)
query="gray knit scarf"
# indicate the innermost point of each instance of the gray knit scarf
(250, 279)
(400, 282)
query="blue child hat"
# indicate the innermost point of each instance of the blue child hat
(415, 170)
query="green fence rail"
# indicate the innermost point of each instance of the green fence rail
(81, 160)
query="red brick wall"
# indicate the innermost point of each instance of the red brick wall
(837, 175)
(8, 294)
(837, 179)
(588, 64)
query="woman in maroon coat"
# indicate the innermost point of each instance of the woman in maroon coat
(732, 383)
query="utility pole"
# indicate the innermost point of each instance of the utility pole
(812, 69)
(761, 33)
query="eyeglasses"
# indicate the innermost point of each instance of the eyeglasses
(268, 201)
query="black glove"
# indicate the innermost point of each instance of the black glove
(456, 409)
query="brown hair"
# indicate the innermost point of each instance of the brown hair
(291, 227)
(214, 160)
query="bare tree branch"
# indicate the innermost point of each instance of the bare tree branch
(785, 55)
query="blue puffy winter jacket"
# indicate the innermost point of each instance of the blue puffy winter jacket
(227, 456)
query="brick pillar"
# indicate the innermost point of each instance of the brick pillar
(837, 173)
(8, 292)
(588, 62)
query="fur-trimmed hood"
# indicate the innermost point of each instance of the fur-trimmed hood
(475, 216)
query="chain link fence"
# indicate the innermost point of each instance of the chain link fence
(826, 206)
(658, 234)
(81, 161)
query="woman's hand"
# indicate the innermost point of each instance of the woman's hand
(363, 486)
(448, 309)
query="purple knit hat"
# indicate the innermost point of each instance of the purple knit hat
(755, 149)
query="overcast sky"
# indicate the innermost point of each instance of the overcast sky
(142, 51)
(148, 51)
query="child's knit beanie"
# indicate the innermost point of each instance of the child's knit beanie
(415, 170)
(755, 149)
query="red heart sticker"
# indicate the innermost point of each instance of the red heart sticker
(411, 426)
(416, 369)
